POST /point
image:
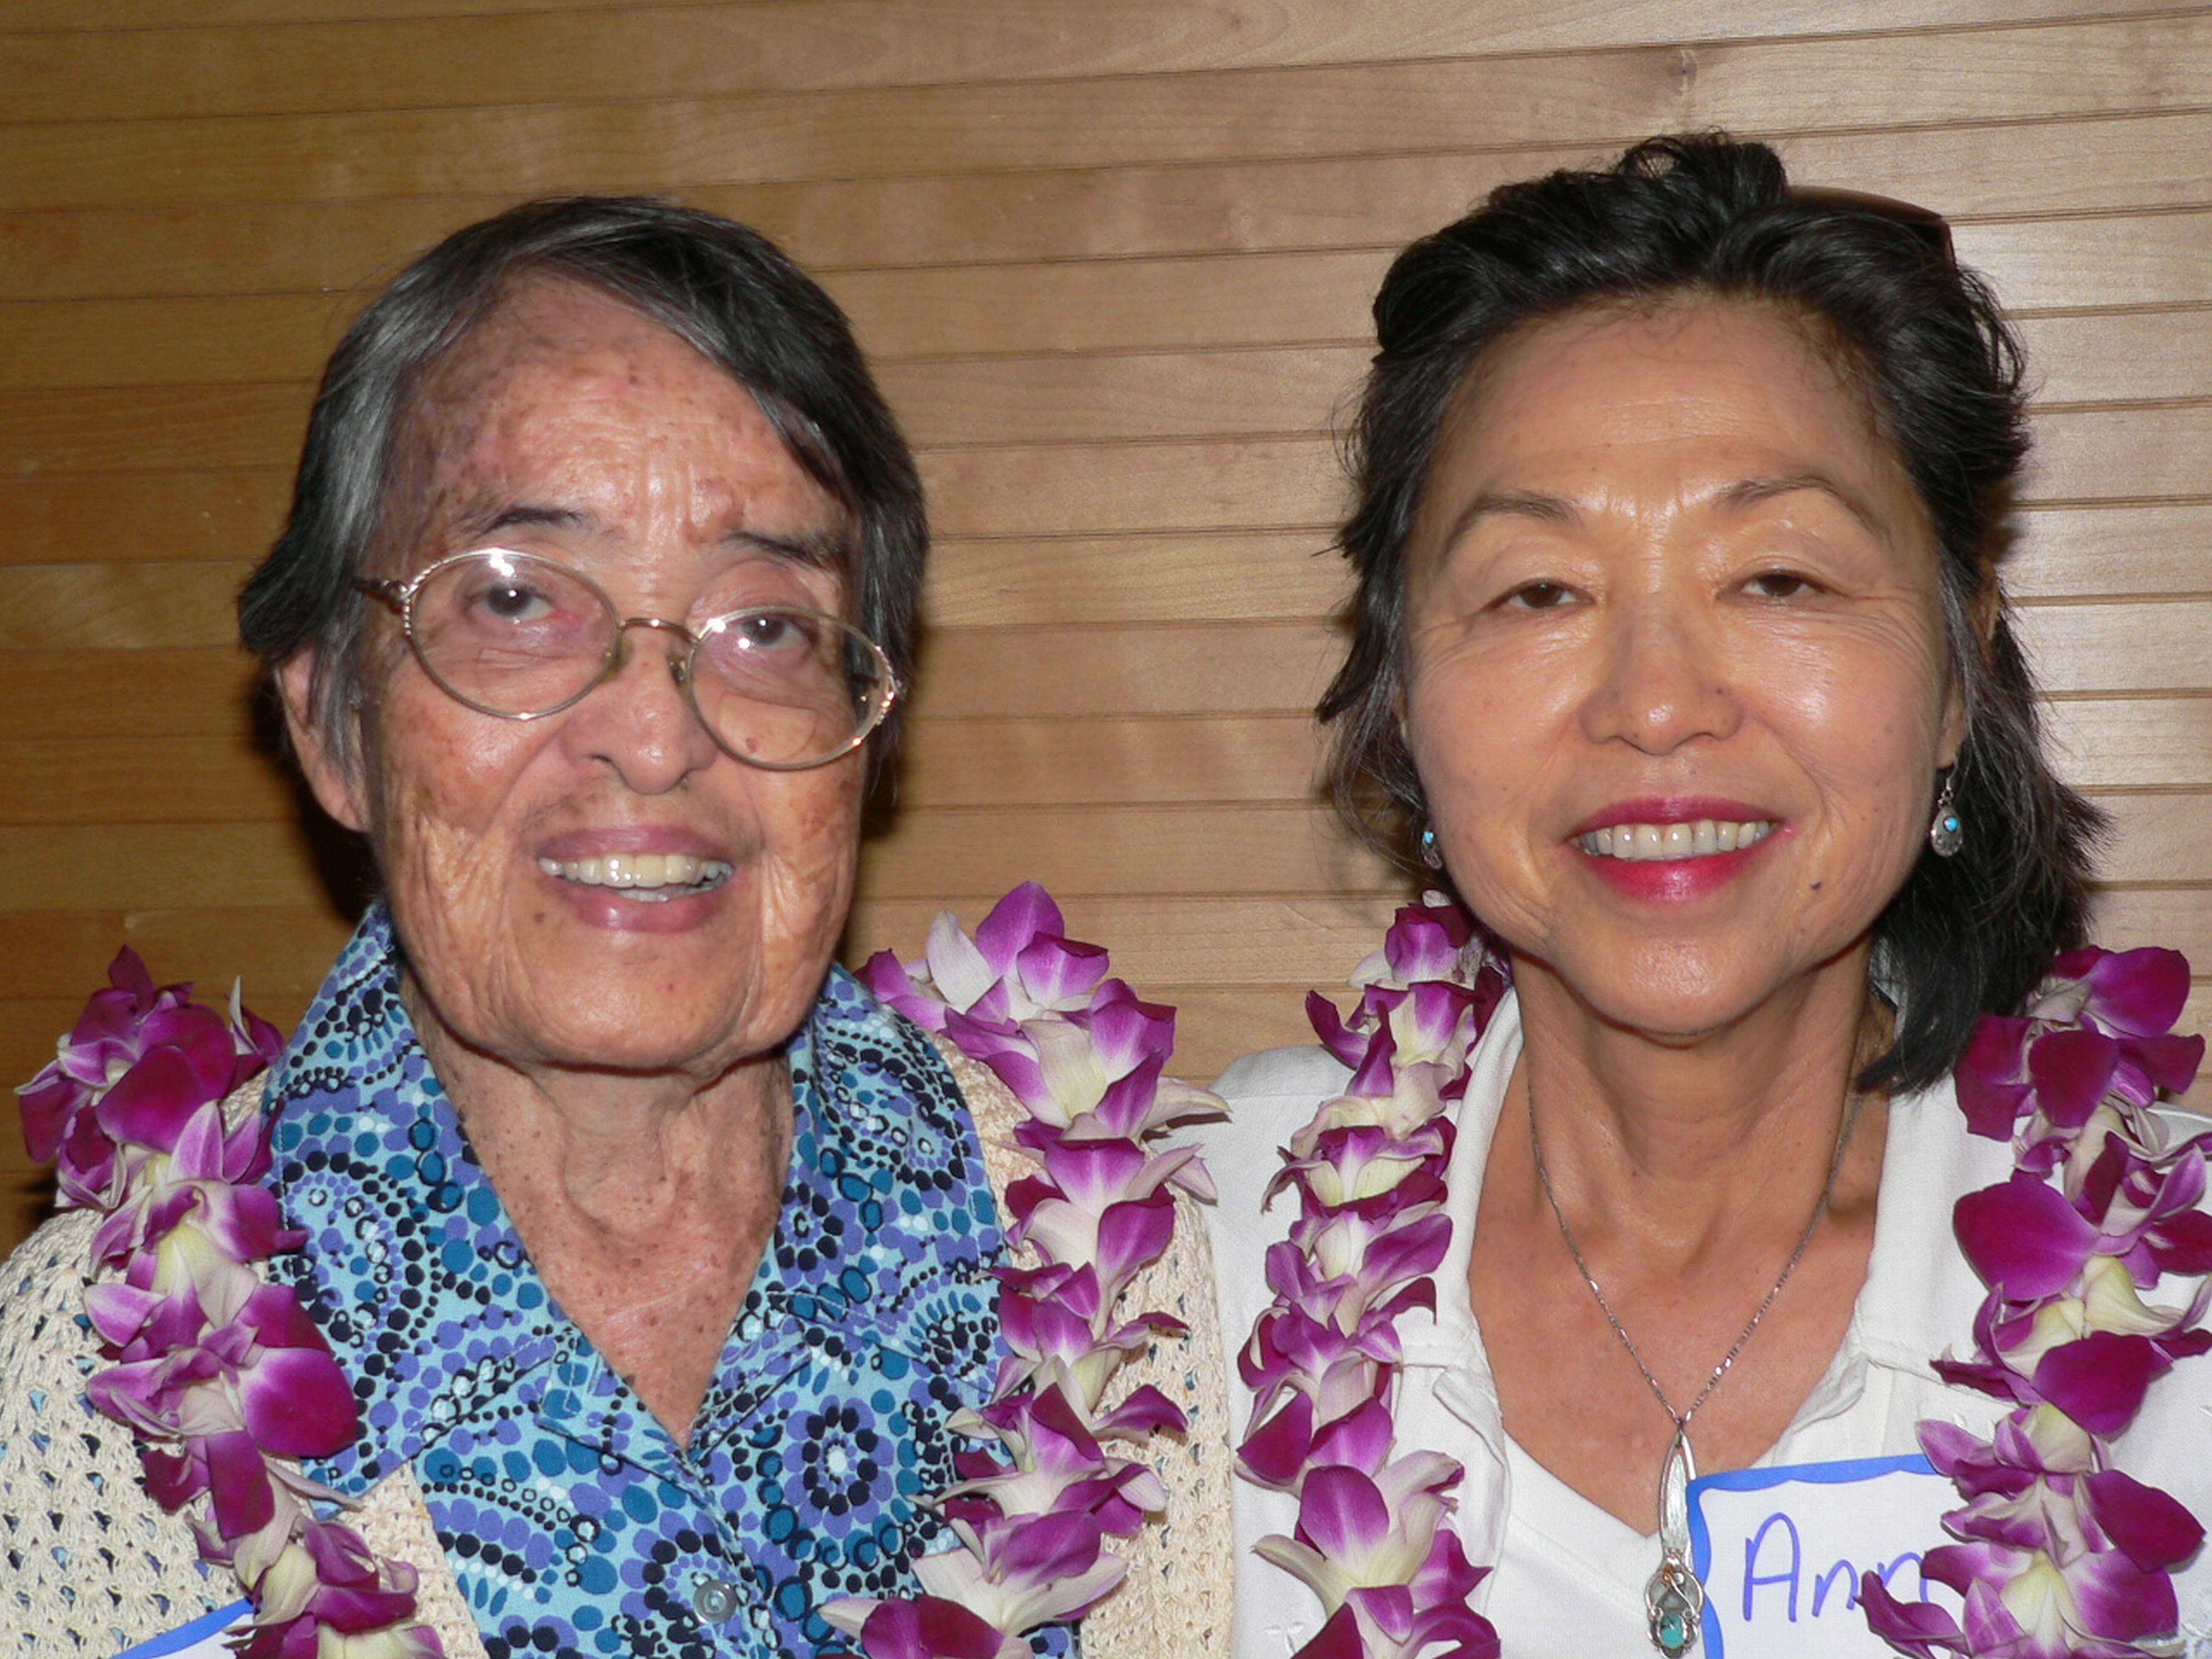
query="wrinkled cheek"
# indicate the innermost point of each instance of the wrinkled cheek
(445, 881)
(812, 878)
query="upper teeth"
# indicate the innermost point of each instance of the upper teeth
(649, 874)
(1702, 839)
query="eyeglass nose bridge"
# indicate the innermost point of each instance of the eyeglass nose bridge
(679, 661)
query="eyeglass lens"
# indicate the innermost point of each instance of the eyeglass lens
(517, 635)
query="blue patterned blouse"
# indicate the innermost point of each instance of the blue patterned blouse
(572, 1520)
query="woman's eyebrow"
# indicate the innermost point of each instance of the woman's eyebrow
(489, 518)
(817, 550)
(1749, 492)
(1510, 503)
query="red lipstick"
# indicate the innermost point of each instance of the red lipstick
(1673, 881)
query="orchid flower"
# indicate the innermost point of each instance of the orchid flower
(2059, 1555)
(224, 1379)
(1035, 1515)
(1373, 1539)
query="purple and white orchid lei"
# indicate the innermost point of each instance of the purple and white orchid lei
(1373, 1539)
(2060, 1555)
(1036, 1518)
(223, 1378)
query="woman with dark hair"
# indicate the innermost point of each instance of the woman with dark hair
(599, 1269)
(1679, 654)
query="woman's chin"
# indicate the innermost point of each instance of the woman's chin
(1675, 993)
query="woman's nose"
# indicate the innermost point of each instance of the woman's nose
(639, 720)
(1662, 678)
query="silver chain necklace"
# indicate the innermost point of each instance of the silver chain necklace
(1674, 1598)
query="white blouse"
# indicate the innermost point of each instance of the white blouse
(1568, 1577)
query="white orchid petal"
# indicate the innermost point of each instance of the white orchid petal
(957, 968)
(1073, 1072)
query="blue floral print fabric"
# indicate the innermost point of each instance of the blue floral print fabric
(573, 1521)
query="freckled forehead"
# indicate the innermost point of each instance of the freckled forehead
(579, 350)
(566, 397)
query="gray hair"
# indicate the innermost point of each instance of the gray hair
(724, 289)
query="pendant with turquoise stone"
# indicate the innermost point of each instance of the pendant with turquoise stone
(1673, 1600)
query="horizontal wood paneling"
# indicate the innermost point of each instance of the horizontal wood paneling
(1167, 33)
(654, 55)
(1970, 171)
(150, 693)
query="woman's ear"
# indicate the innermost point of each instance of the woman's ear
(336, 781)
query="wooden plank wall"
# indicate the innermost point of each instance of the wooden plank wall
(1113, 257)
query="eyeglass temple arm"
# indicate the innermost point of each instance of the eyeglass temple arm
(392, 593)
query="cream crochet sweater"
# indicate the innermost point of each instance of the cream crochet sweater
(93, 1566)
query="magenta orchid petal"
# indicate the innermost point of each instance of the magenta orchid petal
(1992, 1076)
(237, 1479)
(1917, 1628)
(2099, 1380)
(1376, 1074)
(2024, 1237)
(1341, 1512)
(1348, 1046)
(891, 983)
(1051, 1547)
(928, 1627)
(1276, 1450)
(1144, 1412)
(297, 1403)
(1023, 914)
(152, 1102)
(1134, 1235)
(1339, 1637)
(2171, 1062)
(2118, 1601)
(2070, 1071)
(2182, 1243)
(1361, 1438)
(2133, 993)
(2155, 1530)
(1058, 974)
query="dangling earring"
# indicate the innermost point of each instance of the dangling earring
(1948, 833)
(1430, 856)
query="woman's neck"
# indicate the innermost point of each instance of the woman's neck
(645, 1202)
(1693, 1175)
(1680, 1132)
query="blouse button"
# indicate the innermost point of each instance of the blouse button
(714, 1599)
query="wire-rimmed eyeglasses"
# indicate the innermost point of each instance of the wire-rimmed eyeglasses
(519, 636)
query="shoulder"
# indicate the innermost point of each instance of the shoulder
(88, 1554)
(1272, 1093)
(1269, 1073)
(41, 1293)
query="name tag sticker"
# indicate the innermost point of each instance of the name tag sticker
(205, 1637)
(1780, 1551)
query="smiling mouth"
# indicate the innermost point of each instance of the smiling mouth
(646, 878)
(1667, 843)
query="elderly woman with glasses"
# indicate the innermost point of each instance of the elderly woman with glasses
(656, 1257)
(1742, 1206)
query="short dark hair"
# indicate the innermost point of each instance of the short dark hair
(1921, 337)
(724, 289)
